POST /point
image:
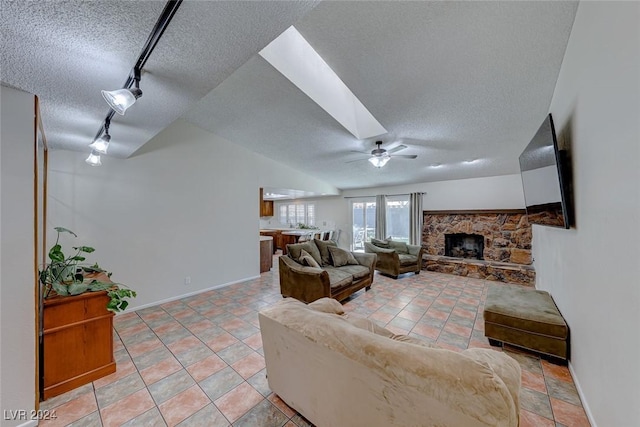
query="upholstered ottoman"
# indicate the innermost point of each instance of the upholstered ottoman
(526, 318)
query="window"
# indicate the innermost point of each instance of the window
(296, 213)
(398, 218)
(363, 219)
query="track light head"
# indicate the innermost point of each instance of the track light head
(93, 159)
(121, 99)
(101, 145)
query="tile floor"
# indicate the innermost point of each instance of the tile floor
(199, 361)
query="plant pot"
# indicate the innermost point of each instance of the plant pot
(77, 345)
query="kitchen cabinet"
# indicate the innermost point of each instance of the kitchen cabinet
(266, 206)
(266, 209)
(277, 238)
(266, 253)
(289, 238)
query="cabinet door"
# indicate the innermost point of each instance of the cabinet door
(78, 342)
(277, 240)
(267, 208)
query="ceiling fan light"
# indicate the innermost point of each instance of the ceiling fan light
(101, 145)
(93, 159)
(121, 99)
(379, 161)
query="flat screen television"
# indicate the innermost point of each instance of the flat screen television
(546, 178)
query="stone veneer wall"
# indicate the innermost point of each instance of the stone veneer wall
(507, 234)
(507, 244)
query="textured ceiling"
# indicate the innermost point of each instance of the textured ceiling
(66, 52)
(454, 81)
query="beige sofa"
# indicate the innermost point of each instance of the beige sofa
(308, 284)
(342, 370)
(395, 258)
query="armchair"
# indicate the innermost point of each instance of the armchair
(395, 258)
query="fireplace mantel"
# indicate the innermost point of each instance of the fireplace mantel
(477, 212)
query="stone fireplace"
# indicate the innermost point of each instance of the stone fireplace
(463, 245)
(493, 245)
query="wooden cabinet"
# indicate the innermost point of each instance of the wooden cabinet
(266, 253)
(288, 239)
(277, 238)
(77, 343)
(266, 206)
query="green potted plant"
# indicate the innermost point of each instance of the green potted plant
(68, 275)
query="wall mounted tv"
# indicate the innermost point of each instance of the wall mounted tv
(546, 179)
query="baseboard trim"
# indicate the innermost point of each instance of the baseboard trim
(583, 399)
(188, 294)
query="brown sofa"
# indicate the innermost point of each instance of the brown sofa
(339, 369)
(395, 258)
(308, 284)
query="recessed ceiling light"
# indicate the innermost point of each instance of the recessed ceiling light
(436, 165)
(275, 196)
(471, 161)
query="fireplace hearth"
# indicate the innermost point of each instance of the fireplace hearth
(463, 245)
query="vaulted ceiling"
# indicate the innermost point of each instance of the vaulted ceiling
(464, 85)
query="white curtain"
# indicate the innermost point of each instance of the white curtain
(381, 216)
(415, 218)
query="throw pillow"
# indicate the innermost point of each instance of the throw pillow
(324, 252)
(400, 247)
(307, 259)
(380, 243)
(327, 305)
(310, 247)
(340, 257)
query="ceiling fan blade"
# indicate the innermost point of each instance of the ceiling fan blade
(357, 160)
(406, 156)
(361, 152)
(396, 148)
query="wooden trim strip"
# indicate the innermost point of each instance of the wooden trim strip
(477, 212)
(77, 381)
(36, 290)
(71, 325)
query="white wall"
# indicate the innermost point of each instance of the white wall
(17, 275)
(496, 192)
(185, 205)
(593, 270)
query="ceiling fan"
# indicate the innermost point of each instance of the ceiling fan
(379, 156)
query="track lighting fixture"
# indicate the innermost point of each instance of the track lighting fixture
(94, 159)
(121, 99)
(101, 144)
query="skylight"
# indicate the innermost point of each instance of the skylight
(294, 57)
